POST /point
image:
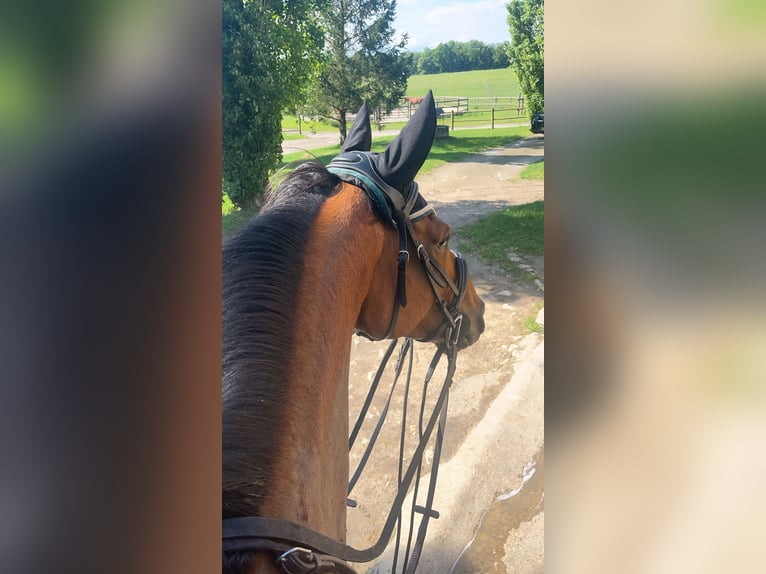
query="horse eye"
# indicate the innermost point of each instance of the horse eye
(443, 243)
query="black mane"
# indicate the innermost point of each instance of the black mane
(261, 271)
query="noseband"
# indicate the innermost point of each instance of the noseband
(301, 550)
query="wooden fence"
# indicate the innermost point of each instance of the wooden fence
(457, 110)
(454, 111)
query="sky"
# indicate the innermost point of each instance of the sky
(431, 22)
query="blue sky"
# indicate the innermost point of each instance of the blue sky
(431, 22)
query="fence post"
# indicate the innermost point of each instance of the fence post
(452, 120)
(299, 124)
(493, 117)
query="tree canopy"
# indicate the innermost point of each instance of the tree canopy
(361, 60)
(526, 19)
(270, 54)
(455, 56)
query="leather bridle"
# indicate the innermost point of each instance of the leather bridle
(401, 209)
(437, 278)
(298, 549)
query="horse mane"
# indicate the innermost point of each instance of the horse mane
(261, 271)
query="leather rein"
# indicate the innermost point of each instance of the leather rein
(301, 550)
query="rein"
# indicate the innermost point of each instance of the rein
(301, 550)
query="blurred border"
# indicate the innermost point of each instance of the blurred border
(656, 376)
(110, 292)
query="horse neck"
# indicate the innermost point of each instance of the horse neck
(311, 470)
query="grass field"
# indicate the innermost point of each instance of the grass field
(478, 83)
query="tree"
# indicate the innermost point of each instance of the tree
(526, 19)
(428, 62)
(477, 55)
(270, 52)
(500, 55)
(361, 60)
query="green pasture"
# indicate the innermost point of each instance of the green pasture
(519, 229)
(477, 83)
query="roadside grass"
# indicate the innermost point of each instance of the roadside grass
(531, 324)
(477, 83)
(534, 171)
(518, 230)
(445, 150)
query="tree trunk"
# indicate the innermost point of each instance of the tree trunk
(342, 125)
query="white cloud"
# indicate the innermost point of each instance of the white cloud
(431, 22)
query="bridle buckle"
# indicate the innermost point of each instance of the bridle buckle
(454, 333)
(297, 560)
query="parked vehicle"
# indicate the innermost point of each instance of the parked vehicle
(538, 123)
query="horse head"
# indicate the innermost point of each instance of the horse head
(435, 300)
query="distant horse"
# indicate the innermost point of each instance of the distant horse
(350, 247)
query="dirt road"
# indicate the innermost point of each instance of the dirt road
(490, 490)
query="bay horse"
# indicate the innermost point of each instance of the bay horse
(351, 247)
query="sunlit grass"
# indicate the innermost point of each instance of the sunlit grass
(477, 83)
(534, 171)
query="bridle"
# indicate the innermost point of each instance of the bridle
(436, 274)
(298, 549)
(401, 209)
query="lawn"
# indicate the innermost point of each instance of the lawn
(478, 83)
(519, 229)
(534, 171)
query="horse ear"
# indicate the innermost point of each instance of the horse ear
(359, 137)
(405, 155)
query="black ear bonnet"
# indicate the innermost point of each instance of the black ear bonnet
(388, 177)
